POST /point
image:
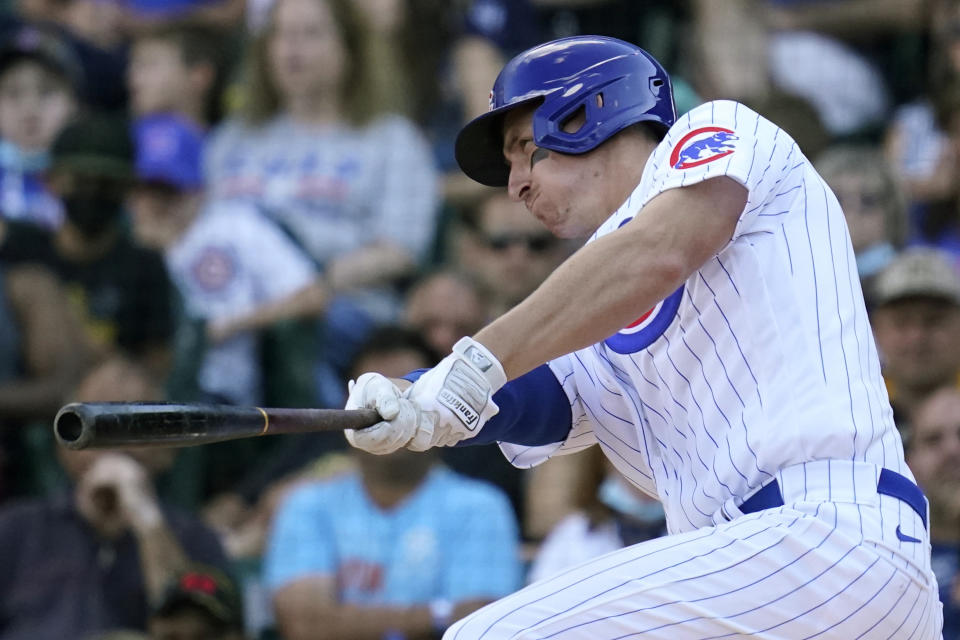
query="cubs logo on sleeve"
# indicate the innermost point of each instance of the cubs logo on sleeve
(642, 332)
(702, 145)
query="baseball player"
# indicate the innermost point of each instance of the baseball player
(711, 338)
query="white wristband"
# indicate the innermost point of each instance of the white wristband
(484, 361)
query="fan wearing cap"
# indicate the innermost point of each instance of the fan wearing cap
(38, 95)
(916, 320)
(201, 603)
(233, 267)
(120, 290)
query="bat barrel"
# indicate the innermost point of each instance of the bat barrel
(105, 425)
(68, 426)
(121, 424)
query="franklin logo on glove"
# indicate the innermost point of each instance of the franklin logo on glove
(467, 416)
(465, 390)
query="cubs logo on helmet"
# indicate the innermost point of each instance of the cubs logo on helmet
(701, 146)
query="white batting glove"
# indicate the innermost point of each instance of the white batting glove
(404, 422)
(458, 394)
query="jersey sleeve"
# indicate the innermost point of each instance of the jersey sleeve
(579, 437)
(725, 138)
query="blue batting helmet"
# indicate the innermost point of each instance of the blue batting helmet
(616, 84)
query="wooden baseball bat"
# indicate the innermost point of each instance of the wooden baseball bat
(140, 424)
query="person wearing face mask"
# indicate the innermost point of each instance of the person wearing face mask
(39, 81)
(121, 290)
(611, 514)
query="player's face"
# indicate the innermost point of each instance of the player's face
(34, 105)
(306, 52)
(934, 454)
(564, 192)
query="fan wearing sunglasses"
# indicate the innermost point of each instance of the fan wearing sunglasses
(508, 251)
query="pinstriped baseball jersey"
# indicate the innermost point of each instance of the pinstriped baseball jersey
(763, 359)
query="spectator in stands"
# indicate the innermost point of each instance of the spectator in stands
(936, 205)
(508, 251)
(95, 557)
(98, 22)
(43, 351)
(885, 35)
(221, 15)
(655, 25)
(233, 267)
(39, 80)
(933, 454)
(872, 205)
(177, 68)
(121, 290)
(851, 59)
(399, 546)
(43, 355)
(354, 186)
(201, 603)
(917, 137)
(444, 306)
(611, 514)
(916, 320)
(95, 31)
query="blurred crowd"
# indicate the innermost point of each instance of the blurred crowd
(252, 201)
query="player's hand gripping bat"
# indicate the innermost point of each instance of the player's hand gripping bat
(123, 424)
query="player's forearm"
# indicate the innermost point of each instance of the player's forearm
(610, 282)
(587, 299)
